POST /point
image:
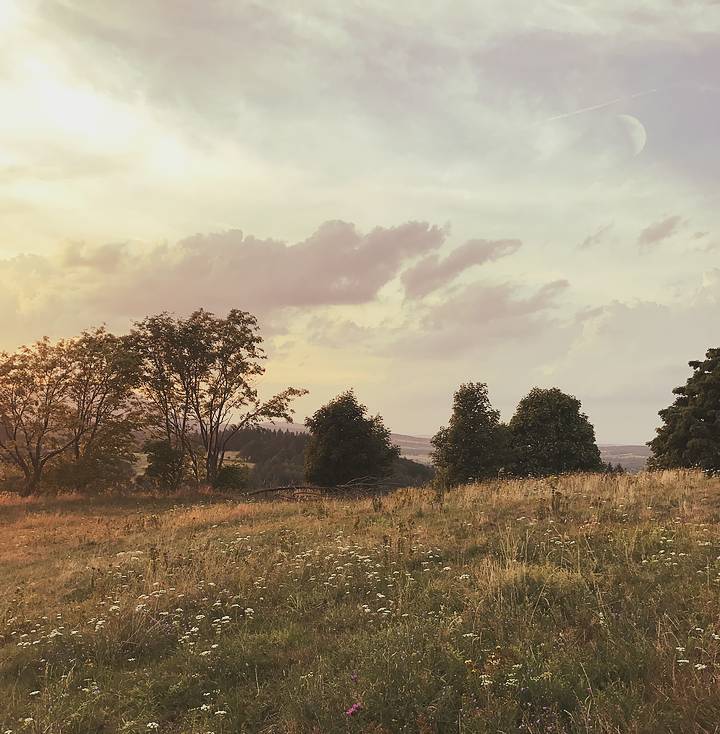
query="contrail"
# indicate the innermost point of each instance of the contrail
(596, 106)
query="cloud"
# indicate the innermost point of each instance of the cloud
(103, 258)
(656, 233)
(337, 265)
(596, 238)
(477, 318)
(431, 273)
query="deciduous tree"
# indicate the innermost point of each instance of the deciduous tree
(346, 444)
(551, 436)
(200, 375)
(35, 416)
(67, 406)
(473, 445)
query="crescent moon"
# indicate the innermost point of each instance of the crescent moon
(635, 131)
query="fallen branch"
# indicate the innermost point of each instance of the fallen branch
(364, 483)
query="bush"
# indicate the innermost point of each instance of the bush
(232, 478)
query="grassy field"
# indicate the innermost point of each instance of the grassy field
(586, 604)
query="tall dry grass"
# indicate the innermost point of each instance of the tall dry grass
(573, 604)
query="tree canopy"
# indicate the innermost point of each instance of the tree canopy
(690, 434)
(346, 444)
(473, 445)
(550, 435)
(66, 406)
(200, 374)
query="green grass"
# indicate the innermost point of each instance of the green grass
(491, 608)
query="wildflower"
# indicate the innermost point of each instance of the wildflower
(700, 666)
(153, 725)
(353, 709)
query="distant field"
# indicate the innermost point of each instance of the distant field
(502, 607)
(632, 457)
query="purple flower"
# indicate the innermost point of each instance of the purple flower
(353, 677)
(353, 709)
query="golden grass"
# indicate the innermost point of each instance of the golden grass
(562, 604)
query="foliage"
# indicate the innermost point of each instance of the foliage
(67, 406)
(278, 458)
(199, 375)
(105, 463)
(36, 419)
(408, 473)
(103, 409)
(232, 477)
(690, 434)
(346, 444)
(473, 446)
(503, 611)
(166, 467)
(550, 435)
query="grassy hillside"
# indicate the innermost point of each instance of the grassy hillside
(504, 607)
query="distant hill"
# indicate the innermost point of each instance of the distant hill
(418, 448)
(630, 456)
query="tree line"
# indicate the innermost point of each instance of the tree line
(72, 412)
(182, 392)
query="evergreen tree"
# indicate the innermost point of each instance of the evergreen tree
(472, 446)
(550, 435)
(346, 444)
(690, 434)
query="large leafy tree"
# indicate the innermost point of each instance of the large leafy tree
(101, 390)
(105, 415)
(345, 443)
(473, 445)
(200, 373)
(67, 406)
(690, 434)
(550, 435)
(35, 416)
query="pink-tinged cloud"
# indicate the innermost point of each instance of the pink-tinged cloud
(659, 231)
(116, 283)
(104, 258)
(481, 317)
(432, 273)
(596, 238)
(335, 265)
(478, 319)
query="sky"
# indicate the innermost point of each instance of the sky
(409, 196)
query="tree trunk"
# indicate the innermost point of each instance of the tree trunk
(211, 466)
(31, 484)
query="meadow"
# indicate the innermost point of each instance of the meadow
(587, 603)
